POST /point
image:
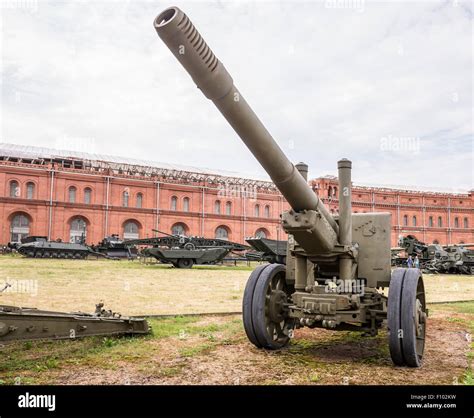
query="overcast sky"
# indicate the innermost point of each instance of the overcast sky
(388, 85)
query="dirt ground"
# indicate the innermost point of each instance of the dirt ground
(133, 288)
(211, 349)
(214, 350)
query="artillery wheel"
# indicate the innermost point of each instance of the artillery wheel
(247, 305)
(185, 263)
(406, 317)
(267, 323)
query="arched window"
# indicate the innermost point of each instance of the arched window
(435, 241)
(179, 229)
(125, 198)
(72, 194)
(30, 190)
(186, 204)
(217, 207)
(430, 222)
(174, 203)
(257, 211)
(130, 230)
(261, 233)
(414, 221)
(78, 231)
(329, 191)
(334, 191)
(466, 223)
(20, 228)
(14, 189)
(87, 195)
(222, 232)
(139, 203)
(456, 222)
(405, 220)
(228, 208)
(440, 222)
(267, 211)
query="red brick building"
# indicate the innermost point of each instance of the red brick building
(62, 194)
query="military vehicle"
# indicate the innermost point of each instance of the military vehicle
(113, 246)
(435, 258)
(271, 250)
(33, 324)
(183, 251)
(336, 266)
(40, 247)
(450, 259)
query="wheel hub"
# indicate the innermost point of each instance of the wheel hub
(276, 305)
(420, 318)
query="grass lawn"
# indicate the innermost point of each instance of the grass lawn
(215, 350)
(134, 288)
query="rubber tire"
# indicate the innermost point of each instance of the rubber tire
(393, 315)
(247, 305)
(185, 263)
(410, 286)
(400, 316)
(258, 307)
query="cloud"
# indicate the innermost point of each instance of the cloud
(329, 79)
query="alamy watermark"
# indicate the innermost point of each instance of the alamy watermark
(30, 5)
(229, 190)
(345, 286)
(357, 5)
(406, 144)
(76, 143)
(29, 287)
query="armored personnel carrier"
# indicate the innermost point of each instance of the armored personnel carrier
(336, 267)
(40, 247)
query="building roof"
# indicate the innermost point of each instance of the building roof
(129, 166)
(137, 167)
(400, 188)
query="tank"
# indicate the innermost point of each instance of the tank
(336, 266)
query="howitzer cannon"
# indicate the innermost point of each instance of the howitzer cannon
(335, 266)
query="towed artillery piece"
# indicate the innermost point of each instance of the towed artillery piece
(40, 247)
(336, 267)
(183, 252)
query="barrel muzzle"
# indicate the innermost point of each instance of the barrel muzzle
(188, 46)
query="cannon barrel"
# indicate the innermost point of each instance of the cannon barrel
(211, 77)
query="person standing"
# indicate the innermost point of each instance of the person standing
(410, 262)
(416, 262)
